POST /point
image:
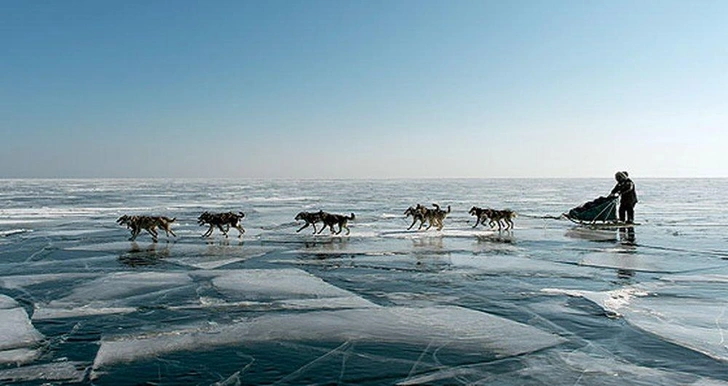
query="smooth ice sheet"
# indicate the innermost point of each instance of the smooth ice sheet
(124, 292)
(700, 324)
(454, 327)
(53, 372)
(255, 284)
(18, 337)
(22, 281)
(113, 293)
(284, 288)
(642, 262)
(562, 368)
(518, 266)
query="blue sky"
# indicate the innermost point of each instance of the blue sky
(363, 89)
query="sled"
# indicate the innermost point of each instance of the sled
(600, 212)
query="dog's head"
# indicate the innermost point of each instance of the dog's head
(412, 211)
(125, 220)
(204, 217)
(301, 216)
(474, 211)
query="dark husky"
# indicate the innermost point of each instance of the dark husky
(330, 220)
(431, 216)
(504, 218)
(417, 215)
(482, 215)
(148, 223)
(227, 219)
(311, 218)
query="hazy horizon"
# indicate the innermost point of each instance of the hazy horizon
(363, 89)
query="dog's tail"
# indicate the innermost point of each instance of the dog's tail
(448, 209)
(241, 214)
(352, 216)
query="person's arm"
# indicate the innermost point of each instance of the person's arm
(616, 190)
(628, 187)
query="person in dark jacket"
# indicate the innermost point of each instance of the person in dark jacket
(628, 196)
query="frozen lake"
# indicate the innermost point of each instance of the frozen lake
(546, 303)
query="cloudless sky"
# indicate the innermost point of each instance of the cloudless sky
(363, 89)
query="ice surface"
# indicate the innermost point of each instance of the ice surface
(590, 234)
(125, 292)
(432, 232)
(18, 337)
(273, 284)
(7, 302)
(216, 256)
(64, 254)
(53, 372)
(18, 356)
(282, 288)
(11, 232)
(207, 254)
(643, 262)
(611, 301)
(454, 327)
(21, 281)
(113, 293)
(518, 266)
(562, 368)
(697, 323)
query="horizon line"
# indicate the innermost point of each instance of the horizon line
(345, 178)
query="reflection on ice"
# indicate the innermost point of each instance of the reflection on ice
(643, 262)
(518, 266)
(215, 255)
(454, 327)
(591, 234)
(210, 255)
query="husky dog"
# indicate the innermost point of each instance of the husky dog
(227, 219)
(437, 216)
(501, 217)
(311, 218)
(481, 215)
(330, 220)
(431, 216)
(505, 216)
(148, 223)
(417, 215)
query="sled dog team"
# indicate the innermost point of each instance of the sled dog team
(224, 221)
